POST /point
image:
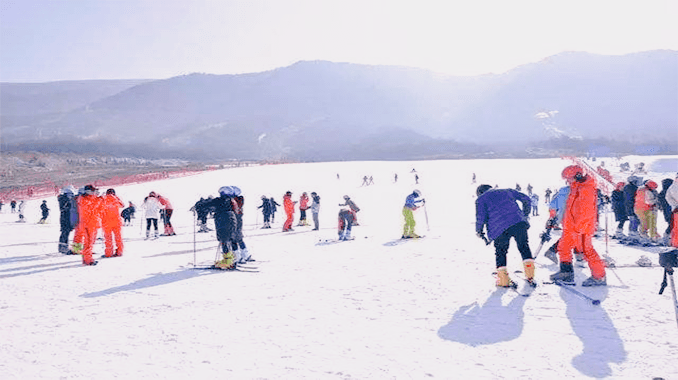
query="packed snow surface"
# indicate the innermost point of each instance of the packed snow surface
(363, 309)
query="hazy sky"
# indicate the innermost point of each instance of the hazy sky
(49, 40)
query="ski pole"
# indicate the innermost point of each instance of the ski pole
(577, 292)
(606, 233)
(426, 216)
(545, 236)
(194, 222)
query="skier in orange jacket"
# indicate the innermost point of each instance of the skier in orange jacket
(111, 222)
(288, 203)
(579, 225)
(89, 210)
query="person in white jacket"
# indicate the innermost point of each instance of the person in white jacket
(152, 207)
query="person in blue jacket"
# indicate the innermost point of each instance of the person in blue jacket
(498, 211)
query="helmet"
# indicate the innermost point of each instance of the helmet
(236, 190)
(288, 193)
(152, 194)
(90, 189)
(416, 193)
(263, 197)
(571, 172)
(620, 186)
(314, 193)
(482, 189)
(650, 184)
(226, 191)
(346, 197)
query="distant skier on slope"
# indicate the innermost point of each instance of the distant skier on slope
(315, 210)
(267, 210)
(68, 211)
(497, 210)
(45, 212)
(411, 203)
(112, 223)
(619, 209)
(240, 250)
(288, 204)
(89, 211)
(152, 207)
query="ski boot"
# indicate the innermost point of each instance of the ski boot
(552, 255)
(503, 280)
(528, 269)
(245, 256)
(592, 281)
(566, 274)
(228, 261)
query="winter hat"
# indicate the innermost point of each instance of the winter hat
(236, 191)
(482, 189)
(314, 193)
(346, 197)
(416, 193)
(620, 186)
(44, 201)
(650, 184)
(152, 194)
(288, 193)
(110, 191)
(90, 189)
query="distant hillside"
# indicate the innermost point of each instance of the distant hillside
(334, 111)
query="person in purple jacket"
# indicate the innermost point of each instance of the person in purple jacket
(497, 209)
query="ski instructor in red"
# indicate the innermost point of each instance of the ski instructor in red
(579, 225)
(498, 210)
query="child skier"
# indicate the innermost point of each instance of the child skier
(45, 212)
(411, 202)
(345, 224)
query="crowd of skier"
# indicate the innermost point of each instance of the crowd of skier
(574, 209)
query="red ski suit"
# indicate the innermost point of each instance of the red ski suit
(579, 225)
(89, 211)
(112, 223)
(289, 210)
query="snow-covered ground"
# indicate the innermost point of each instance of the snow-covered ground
(363, 309)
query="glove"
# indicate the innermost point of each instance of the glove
(545, 236)
(481, 235)
(552, 223)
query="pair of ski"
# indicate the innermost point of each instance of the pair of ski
(529, 287)
(333, 241)
(246, 267)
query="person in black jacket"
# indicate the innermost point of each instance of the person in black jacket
(68, 219)
(267, 210)
(225, 223)
(128, 213)
(666, 209)
(629, 202)
(619, 209)
(45, 212)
